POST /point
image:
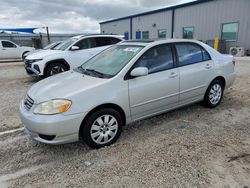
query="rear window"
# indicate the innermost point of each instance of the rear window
(103, 41)
(115, 40)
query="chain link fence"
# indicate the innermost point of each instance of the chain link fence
(34, 40)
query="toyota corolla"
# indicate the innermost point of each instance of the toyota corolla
(129, 81)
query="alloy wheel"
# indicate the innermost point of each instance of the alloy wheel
(215, 94)
(56, 69)
(104, 129)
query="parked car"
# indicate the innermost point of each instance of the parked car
(124, 83)
(50, 46)
(68, 55)
(10, 50)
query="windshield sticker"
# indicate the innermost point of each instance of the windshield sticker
(131, 49)
(108, 53)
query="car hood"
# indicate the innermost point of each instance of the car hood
(27, 48)
(41, 54)
(64, 85)
(32, 52)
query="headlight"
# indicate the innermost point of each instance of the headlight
(55, 106)
(34, 60)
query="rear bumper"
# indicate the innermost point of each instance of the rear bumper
(63, 129)
(230, 80)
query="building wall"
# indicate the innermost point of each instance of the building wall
(118, 27)
(162, 20)
(207, 19)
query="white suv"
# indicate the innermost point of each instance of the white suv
(68, 55)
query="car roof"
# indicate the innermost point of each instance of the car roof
(99, 35)
(156, 41)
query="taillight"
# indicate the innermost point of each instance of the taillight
(234, 61)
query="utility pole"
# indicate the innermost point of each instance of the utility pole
(47, 30)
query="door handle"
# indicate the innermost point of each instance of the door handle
(3, 49)
(208, 66)
(173, 75)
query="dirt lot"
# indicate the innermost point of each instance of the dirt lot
(212, 151)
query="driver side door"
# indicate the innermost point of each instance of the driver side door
(159, 90)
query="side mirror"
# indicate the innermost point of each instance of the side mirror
(139, 71)
(73, 48)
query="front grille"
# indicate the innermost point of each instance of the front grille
(27, 63)
(28, 103)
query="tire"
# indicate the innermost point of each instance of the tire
(103, 124)
(55, 68)
(214, 94)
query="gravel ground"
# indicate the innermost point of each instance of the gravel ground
(13, 85)
(212, 151)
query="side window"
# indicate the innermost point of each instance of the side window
(206, 56)
(103, 41)
(188, 53)
(114, 40)
(158, 58)
(85, 44)
(7, 44)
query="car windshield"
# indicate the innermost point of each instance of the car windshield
(64, 45)
(51, 46)
(109, 62)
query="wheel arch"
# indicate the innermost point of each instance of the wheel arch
(63, 61)
(26, 51)
(222, 79)
(106, 105)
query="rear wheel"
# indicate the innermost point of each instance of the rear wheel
(102, 128)
(214, 94)
(55, 68)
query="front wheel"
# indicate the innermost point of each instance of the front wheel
(55, 68)
(102, 128)
(214, 94)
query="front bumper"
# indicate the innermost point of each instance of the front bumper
(63, 128)
(33, 69)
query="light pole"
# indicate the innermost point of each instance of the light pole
(47, 32)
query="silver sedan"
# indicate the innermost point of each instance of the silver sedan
(127, 82)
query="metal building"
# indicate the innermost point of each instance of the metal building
(229, 20)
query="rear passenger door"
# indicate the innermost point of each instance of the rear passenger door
(196, 70)
(159, 90)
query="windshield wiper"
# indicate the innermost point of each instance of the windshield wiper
(80, 70)
(97, 73)
(92, 72)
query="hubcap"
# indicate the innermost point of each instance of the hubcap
(56, 69)
(104, 129)
(215, 94)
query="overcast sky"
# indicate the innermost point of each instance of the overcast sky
(72, 16)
